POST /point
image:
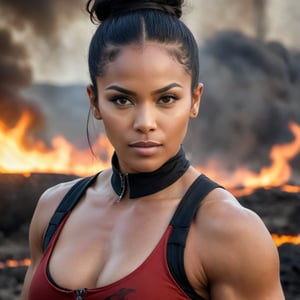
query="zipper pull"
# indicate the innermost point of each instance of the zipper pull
(80, 293)
(124, 182)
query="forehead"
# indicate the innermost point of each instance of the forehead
(150, 60)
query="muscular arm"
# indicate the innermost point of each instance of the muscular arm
(41, 217)
(238, 256)
(35, 245)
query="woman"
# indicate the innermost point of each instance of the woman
(152, 226)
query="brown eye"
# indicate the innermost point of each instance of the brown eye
(121, 100)
(168, 99)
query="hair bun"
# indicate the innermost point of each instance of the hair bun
(100, 10)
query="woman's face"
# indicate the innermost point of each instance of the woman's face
(145, 102)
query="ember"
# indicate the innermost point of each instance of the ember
(11, 263)
(251, 90)
(282, 239)
(279, 210)
(278, 240)
(23, 167)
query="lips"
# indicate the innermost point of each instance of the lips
(145, 144)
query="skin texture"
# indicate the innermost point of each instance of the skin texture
(229, 253)
(144, 113)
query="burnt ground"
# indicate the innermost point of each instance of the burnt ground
(279, 210)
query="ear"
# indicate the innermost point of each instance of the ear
(196, 99)
(93, 102)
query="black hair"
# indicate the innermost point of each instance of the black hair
(125, 22)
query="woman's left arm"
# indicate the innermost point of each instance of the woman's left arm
(237, 253)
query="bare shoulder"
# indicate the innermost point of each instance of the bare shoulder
(45, 208)
(221, 214)
(237, 252)
(223, 221)
(50, 199)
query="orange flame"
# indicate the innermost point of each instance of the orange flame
(282, 239)
(11, 263)
(63, 157)
(15, 157)
(278, 240)
(277, 174)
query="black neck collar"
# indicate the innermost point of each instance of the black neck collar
(143, 184)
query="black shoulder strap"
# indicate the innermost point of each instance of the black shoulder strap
(181, 222)
(66, 205)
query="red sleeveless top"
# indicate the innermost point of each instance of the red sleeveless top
(151, 280)
(160, 276)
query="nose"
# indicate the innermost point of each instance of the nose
(145, 118)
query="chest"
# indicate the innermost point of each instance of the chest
(100, 245)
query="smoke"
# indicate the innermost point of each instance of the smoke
(14, 68)
(55, 33)
(251, 93)
(44, 20)
(44, 17)
(15, 73)
(251, 87)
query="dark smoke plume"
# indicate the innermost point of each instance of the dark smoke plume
(43, 18)
(15, 73)
(251, 92)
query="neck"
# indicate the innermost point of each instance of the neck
(143, 184)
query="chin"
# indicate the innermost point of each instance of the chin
(144, 165)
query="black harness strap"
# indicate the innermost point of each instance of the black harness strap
(66, 205)
(181, 222)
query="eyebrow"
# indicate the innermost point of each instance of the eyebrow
(158, 91)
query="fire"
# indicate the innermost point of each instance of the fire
(12, 263)
(61, 157)
(277, 174)
(282, 239)
(278, 240)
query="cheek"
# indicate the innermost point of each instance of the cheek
(111, 124)
(112, 119)
(177, 124)
(117, 126)
(114, 135)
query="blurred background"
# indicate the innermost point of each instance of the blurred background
(246, 137)
(250, 67)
